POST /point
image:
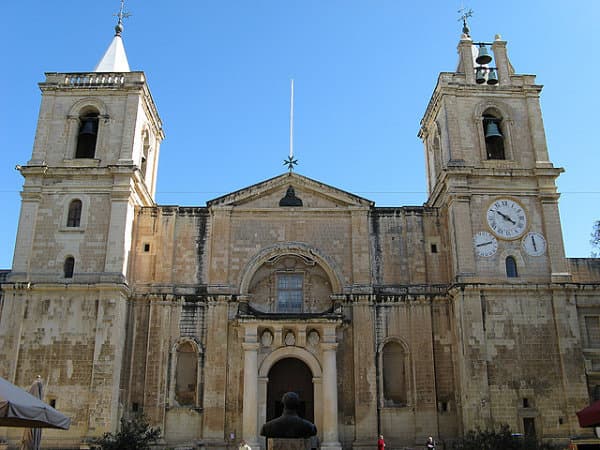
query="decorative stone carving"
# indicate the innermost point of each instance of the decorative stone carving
(266, 338)
(313, 338)
(290, 338)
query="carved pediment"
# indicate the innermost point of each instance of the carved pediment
(290, 190)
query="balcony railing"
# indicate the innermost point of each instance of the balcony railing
(94, 79)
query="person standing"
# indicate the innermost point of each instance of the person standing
(380, 443)
(244, 446)
(430, 444)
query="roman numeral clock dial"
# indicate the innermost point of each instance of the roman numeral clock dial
(485, 244)
(506, 218)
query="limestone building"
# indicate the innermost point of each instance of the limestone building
(407, 321)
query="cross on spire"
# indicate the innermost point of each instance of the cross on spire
(290, 163)
(465, 13)
(121, 15)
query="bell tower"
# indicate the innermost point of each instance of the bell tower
(95, 159)
(490, 176)
(488, 169)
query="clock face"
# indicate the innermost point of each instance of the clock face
(534, 244)
(485, 244)
(506, 218)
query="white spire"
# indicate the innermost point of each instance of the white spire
(114, 59)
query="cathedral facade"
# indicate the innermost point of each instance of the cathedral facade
(406, 321)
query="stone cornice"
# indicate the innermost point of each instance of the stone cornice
(123, 289)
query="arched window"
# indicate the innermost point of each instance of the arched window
(511, 267)
(394, 375)
(494, 139)
(186, 375)
(88, 135)
(69, 266)
(74, 215)
(145, 152)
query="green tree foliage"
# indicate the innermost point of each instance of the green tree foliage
(595, 241)
(501, 439)
(135, 434)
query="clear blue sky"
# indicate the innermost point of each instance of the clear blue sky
(219, 72)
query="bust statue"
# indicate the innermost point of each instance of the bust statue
(289, 425)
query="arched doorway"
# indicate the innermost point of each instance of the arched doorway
(290, 375)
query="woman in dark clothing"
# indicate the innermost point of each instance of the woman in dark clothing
(430, 444)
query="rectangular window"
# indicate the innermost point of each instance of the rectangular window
(289, 292)
(592, 326)
(74, 214)
(529, 426)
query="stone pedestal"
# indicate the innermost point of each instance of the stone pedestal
(288, 444)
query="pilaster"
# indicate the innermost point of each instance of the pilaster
(461, 232)
(26, 232)
(556, 252)
(215, 372)
(365, 374)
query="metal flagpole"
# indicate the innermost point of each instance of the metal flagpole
(292, 120)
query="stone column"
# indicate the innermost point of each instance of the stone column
(330, 400)
(465, 51)
(250, 415)
(262, 408)
(503, 65)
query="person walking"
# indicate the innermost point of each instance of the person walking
(430, 444)
(380, 443)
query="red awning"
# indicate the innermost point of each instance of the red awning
(590, 416)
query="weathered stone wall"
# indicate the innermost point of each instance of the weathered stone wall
(584, 270)
(519, 345)
(170, 249)
(53, 241)
(408, 246)
(73, 339)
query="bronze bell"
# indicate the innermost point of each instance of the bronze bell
(89, 126)
(492, 130)
(483, 56)
(492, 78)
(480, 75)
